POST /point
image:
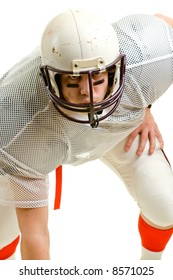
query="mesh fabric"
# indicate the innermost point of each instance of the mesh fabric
(35, 138)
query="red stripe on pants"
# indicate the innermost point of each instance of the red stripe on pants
(9, 250)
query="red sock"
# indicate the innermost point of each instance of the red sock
(9, 250)
(153, 239)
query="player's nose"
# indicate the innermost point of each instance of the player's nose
(84, 85)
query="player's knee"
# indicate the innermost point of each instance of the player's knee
(161, 219)
(36, 246)
(165, 221)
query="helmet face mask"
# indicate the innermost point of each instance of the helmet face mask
(93, 111)
(99, 57)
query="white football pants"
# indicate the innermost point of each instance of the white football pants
(9, 229)
(148, 178)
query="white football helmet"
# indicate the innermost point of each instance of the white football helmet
(79, 42)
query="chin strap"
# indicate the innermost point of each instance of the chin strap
(58, 187)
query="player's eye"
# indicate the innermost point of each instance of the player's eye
(98, 75)
(98, 82)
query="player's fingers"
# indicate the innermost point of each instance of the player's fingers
(152, 139)
(152, 143)
(153, 135)
(142, 143)
(130, 140)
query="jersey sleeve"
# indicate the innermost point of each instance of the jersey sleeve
(147, 42)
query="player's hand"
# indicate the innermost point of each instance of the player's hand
(148, 130)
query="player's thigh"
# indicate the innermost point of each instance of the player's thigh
(9, 229)
(148, 178)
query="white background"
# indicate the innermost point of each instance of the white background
(97, 223)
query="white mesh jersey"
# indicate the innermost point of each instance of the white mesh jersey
(35, 138)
